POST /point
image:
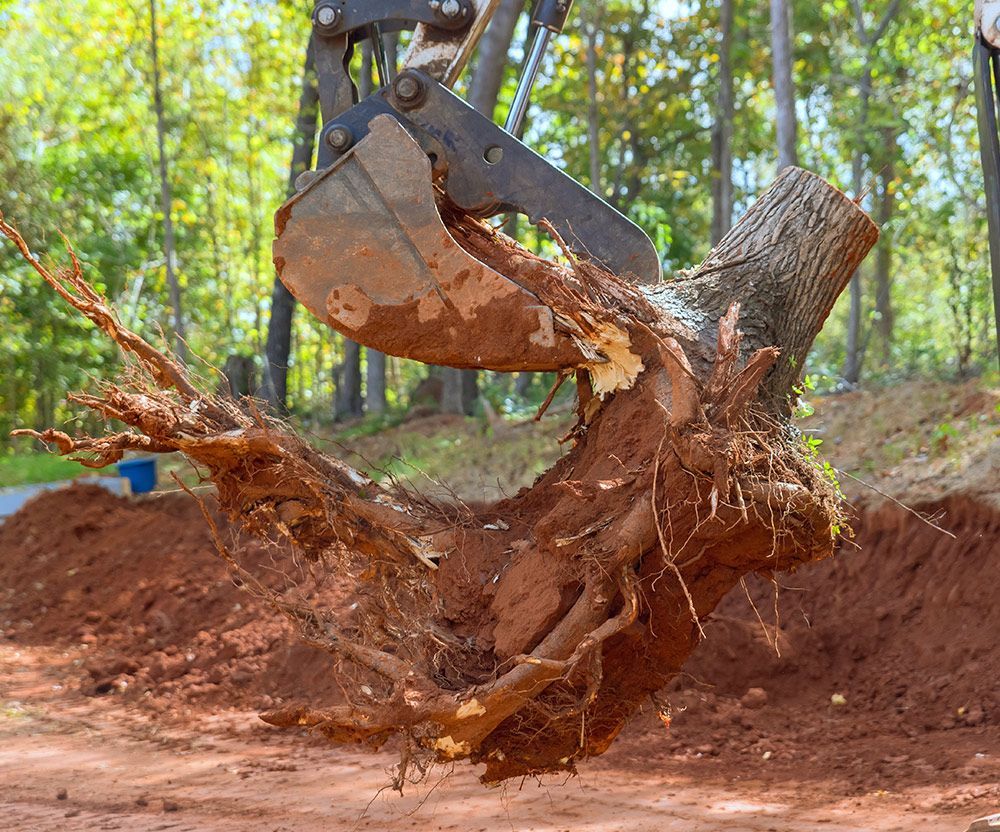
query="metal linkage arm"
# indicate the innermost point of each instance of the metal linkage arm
(332, 17)
(549, 18)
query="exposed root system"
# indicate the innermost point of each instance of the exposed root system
(523, 635)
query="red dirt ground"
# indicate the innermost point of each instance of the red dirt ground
(130, 664)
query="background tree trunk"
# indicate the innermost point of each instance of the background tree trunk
(885, 316)
(348, 402)
(854, 355)
(279, 328)
(484, 89)
(869, 39)
(784, 86)
(594, 16)
(375, 385)
(241, 376)
(722, 131)
(166, 197)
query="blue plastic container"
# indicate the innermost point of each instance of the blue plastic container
(141, 473)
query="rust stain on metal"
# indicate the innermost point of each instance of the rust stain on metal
(409, 289)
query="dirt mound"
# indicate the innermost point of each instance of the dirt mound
(138, 582)
(903, 622)
(880, 671)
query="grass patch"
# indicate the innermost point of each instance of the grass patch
(28, 468)
(370, 425)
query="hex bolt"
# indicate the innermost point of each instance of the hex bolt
(450, 9)
(326, 18)
(408, 89)
(339, 137)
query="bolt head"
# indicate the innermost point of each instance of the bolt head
(408, 89)
(339, 137)
(450, 9)
(326, 17)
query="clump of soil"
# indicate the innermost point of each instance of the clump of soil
(139, 583)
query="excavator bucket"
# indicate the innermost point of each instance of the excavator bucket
(363, 247)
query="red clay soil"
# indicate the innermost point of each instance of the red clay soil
(903, 625)
(139, 582)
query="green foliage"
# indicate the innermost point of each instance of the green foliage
(32, 467)
(77, 154)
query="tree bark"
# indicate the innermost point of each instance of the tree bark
(854, 354)
(884, 314)
(524, 634)
(375, 386)
(595, 14)
(348, 401)
(166, 196)
(279, 328)
(241, 377)
(451, 391)
(492, 61)
(784, 86)
(722, 131)
(869, 40)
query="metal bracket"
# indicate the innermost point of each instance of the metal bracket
(331, 17)
(362, 246)
(487, 171)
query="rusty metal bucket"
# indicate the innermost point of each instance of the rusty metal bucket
(363, 247)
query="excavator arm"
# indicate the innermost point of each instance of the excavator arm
(362, 244)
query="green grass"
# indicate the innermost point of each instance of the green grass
(370, 426)
(27, 468)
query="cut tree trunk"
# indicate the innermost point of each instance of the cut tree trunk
(524, 634)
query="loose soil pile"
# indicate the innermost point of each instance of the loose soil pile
(140, 584)
(902, 624)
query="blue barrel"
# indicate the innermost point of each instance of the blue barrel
(141, 473)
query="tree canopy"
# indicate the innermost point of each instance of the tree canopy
(78, 156)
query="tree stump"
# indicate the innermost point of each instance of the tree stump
(524, 634)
